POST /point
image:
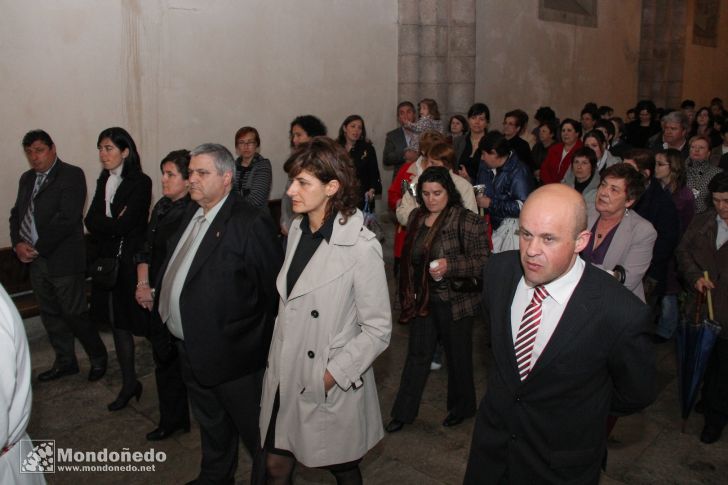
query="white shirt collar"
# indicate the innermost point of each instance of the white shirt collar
(561, 288)
(117, 171)
(212, 213)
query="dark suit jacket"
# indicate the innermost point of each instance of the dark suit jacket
(58, 217)
(229, 300)
(394, 146)
(551, 428)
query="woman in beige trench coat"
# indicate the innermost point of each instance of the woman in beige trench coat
(320, 403)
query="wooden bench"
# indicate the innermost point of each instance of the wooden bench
(15, 276)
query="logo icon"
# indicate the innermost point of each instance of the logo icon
(37, 456)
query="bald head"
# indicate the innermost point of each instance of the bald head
(561, 199)
(552, 233)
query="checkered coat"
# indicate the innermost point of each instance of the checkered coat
(460, 225)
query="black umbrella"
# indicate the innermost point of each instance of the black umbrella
(695, 342)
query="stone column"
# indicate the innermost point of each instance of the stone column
(662, 51)
(437, 52)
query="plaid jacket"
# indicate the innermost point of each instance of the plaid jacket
(471, 230)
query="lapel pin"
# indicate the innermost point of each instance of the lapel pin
(218, 234)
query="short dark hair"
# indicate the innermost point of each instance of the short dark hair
(551, 125)
(442, 176)
(574, 124)
(123, 141)
(406, 103)
(461, 119)
(607, 125)
(326, 160)
(643, 158)
(588, 153)
(495, 141)
(648, 105)
(545, 114)
(181, 160)
(520, 116)
(479, 109)
(687, 103)
(589, 110)
(604, 110)
(244, 131)
(634, 180)
(310, 124)
(719, 183)
(37, 135)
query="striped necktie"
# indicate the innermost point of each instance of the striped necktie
(528, 330)
(28, 232)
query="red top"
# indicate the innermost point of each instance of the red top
(394, 193)
(553, 167)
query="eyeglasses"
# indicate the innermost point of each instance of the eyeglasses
(243, 143)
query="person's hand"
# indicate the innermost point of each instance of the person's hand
(439, 271)
(702, 284)
(26, 253)
(483, 201)
(462, 171)
(329, 381)
(411, 155)
(144, 297)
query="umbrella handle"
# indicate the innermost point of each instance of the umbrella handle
(709, 297)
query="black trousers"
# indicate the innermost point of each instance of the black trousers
(64, 313)
(173, 406)
(226, 413)
(715, 386)
(457, 340)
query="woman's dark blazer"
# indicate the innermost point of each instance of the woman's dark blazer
(130, 211)
(367, 170)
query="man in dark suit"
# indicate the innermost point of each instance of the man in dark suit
(46, 231)
(675, 127)
(397, 140)
(570, 346)
(217, 295)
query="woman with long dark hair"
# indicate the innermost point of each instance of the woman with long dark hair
(353, 137)
(117, 222)
(446, 245)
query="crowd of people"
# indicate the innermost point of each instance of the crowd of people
(269, 329)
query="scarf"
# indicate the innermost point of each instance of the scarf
(415, 303)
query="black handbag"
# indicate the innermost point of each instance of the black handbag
(464, 284)
(105, 271)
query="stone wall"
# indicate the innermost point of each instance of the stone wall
(437, 52)
(662, 51)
